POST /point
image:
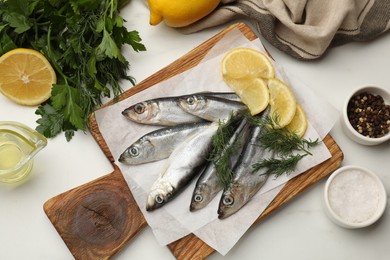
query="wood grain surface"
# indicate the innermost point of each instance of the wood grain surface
(98, 218)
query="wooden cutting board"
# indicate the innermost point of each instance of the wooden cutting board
(97, 219)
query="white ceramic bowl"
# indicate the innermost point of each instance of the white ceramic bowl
(354, 197)
(350, 131)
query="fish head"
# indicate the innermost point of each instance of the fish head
(159, 196)
(142, 112)
(232, 199)
(137, 153)
(200, 197)
(193, 103)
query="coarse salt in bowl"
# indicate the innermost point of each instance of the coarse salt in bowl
(354, 197)
(347, 126)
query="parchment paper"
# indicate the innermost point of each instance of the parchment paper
(174, 220)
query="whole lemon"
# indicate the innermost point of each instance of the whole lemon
(179, 13)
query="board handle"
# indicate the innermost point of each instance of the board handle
(97, 219)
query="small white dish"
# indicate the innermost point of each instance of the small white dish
(349, 130)
(354, 197)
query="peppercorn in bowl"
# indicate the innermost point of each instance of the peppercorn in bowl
(366, 115)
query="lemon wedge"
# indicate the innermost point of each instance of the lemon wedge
(282, 102)
(298, 124)
(26, 76)
(246, 62)
(253, 92)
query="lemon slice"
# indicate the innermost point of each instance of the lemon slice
(298, 125)
(282, 101)
(253, 92)
(246, 62)
(26, 76)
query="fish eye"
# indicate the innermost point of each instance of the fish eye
(139, 108)
(228, 200)
(198, 198)
(159, 199)
(133, 151)
(191, 100)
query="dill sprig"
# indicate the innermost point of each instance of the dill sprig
(283, 143)
(222, 137)
(281, 140)
(223, 150)
(223, 167)
(278, 166)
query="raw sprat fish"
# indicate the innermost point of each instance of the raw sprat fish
(160, 143)
(166, 111)
(210, 108)
(207, 187)
(208, 184)
(185, 162)
(159, 111)
(245, 183)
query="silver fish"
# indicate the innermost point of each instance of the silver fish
(182, 166)
(245, 183)
(159, 111)
(159, 144)
(208, 184)
(209, 107)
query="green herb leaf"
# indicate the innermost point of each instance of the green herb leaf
(281, 140)
(51, 121)
(223, 149)
(134, 40)
(284, 143)
(6, 43)
(72, 109)
(69, 134)
(59, 95)
(83, 5)
(107, 48)
(278, 166)
(92, 65)
(18, 6)
(118, 20)
(100, 25)
(18, 21)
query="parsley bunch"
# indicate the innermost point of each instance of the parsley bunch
(82, 39)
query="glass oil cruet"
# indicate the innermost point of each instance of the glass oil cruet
(18, 146)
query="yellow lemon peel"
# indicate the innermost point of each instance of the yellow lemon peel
(298, 124)
(26, 76)
(253, 92)
(180, 13)
(282, 102)
(246, 62)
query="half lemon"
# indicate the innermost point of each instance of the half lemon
(26, 76)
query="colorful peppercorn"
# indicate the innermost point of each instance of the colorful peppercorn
(369, 115)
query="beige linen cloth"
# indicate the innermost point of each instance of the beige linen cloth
(304, 29)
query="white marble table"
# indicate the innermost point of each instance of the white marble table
(299, 230)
